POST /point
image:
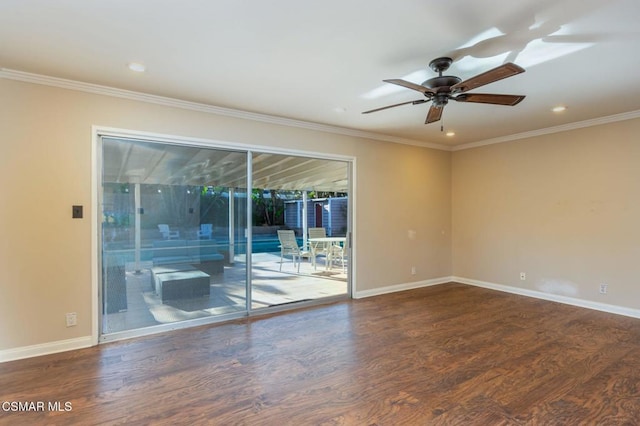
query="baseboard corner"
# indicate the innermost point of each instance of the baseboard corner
(583, 303)
(401, 287)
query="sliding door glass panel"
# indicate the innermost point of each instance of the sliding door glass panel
(293, 194)
(173, 233)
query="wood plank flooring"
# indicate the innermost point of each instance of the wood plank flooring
(447, 354)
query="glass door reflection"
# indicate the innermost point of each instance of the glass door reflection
(173, 220)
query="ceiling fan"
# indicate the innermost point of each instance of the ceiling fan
(439, 90)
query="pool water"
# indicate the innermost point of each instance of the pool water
(259, 245)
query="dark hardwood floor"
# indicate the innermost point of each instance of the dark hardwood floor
(447, 354)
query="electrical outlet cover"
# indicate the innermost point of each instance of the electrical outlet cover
(72, 319)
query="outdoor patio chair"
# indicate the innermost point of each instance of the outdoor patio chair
(167, 233)
(206, 231)
(317, 248)
(289, 246)
(338, 253)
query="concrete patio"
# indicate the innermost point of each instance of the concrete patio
(270, 287)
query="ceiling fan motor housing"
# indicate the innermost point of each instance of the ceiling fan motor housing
(441, 82)
(442, 86)
(440, 99)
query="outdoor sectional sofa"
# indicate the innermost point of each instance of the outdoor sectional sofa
(203, 254)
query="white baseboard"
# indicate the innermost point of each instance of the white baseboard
(400, 287)
(88, 341)
(45, 348)
(613, 309)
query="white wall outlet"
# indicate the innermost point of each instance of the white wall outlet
(603, 289)
(523, 276)
(72, 319)
(413, 270)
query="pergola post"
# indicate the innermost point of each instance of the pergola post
(305, 225)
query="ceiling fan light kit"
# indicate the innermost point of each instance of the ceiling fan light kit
(439, 90)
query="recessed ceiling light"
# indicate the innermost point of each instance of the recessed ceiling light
(137, 67)
(451, 134)
(559, 108)
(340, 109)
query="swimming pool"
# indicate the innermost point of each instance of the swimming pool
(266, 244)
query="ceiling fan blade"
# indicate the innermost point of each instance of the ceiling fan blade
(503, 71)
(419, 101)
(410, 85)
(434, 114)
(490, 98)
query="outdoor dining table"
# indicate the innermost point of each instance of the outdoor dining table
(329, 240)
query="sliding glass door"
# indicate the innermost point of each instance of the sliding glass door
(173, 219)
(291, 196)
(193, 234)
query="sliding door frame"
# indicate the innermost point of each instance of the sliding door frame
(98, 132)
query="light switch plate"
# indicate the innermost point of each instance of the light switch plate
(76, 212)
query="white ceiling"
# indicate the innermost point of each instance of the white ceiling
(324, 62)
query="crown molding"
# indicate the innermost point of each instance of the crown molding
(206, 108)
(556, 129)
(271, 119)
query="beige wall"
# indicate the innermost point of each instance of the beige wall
(564, 208)
(561, 207)
(45, 168)
(405, 189)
